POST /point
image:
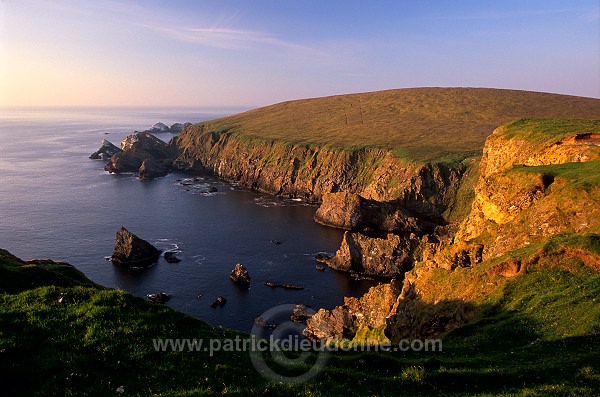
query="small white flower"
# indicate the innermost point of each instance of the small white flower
(120, 389)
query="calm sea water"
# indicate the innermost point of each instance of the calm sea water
(57, 203)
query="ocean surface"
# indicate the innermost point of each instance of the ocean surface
(55, 202)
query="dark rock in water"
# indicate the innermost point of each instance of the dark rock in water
(240, 275)
(284, 286)
(263, 323)
(301, 313)
(322, 258)
(171, 258)
(320, 268)
(276, 242)
(132, 251)
(106, 151)
(212, 189)
(160, 297)
(143, 154)
(220, 301)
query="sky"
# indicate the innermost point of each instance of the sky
(254, 53)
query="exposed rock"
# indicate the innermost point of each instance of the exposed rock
(158, 127)
(389, 257)
(240, 275)
(151, 169)
(330, 325)
(320, 268)
(264, 323)
(160, 297)
(414, 318)
(276, 242)
(352, 212)
(130, 250)
(371, 310)
(171, 258)
(301, 313)
(143, 154)
(510, 267)
(220, 301)
(322, 257)
(212, 189)
(178, 127)
(106, 151)
(517, 204)
(284, 286)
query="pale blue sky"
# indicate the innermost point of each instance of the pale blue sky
(219, 52)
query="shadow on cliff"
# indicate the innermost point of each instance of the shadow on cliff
(500, 352)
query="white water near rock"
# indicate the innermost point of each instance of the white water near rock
(57, 203)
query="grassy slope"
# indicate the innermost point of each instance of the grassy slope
(416, 123)
(538, 336)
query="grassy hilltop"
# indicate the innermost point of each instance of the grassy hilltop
(534, 319)
(416, 123)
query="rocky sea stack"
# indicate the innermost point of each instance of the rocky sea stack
(239, 275)
(106, 151)
(132, 251)
(143, 154)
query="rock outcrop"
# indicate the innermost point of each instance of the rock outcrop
(132, 251)
(523, 194)
(352, 212)
(368, 312)
(158, 128)
(106, 151)
(389, 257)
(240, 275)
(143, 154)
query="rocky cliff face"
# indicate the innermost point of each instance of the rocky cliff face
(533, 185)
(310, 172)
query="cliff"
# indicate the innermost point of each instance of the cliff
(407, 146)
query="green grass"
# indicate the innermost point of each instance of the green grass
(417, 124)
(550, 130)
(538, 337)
(581, 174)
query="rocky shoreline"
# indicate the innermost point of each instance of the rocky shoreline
(399, 216)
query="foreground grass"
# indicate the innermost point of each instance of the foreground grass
(418, 124)
(539, 337)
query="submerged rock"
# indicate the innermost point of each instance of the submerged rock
(273, 284)
(220, 301)
(171, 258)
(106, 151)
(130, 250)
(240, 275)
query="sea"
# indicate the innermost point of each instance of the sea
(57, 203)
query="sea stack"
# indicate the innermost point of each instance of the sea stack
(132, 251)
